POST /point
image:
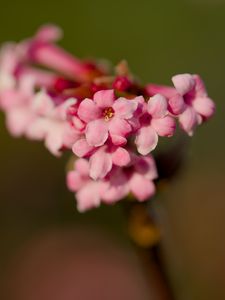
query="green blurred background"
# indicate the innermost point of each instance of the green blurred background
(158, 39)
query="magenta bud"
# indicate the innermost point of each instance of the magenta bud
(121, 83)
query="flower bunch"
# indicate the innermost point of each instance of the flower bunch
(108, 120)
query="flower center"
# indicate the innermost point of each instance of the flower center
(108, 113)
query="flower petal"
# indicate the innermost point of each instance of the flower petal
(118, 140)
(121, 157)
(116, 188)
(74, 181)
(81, 148)
(157, 106)
(146, 140)
(97, 132)
(204, 106)
(54, 137)
(49, 33)
(188, 120)
(70, 136)
(88, 196)
(146, 166)
(119, 127)
(200, 89)
(104, 98)
(165, 126)
(18, 121)
(183, 83)
(125, 108)
(82, 167)
(167, 91)
(141, 187)
(42, 104)
(88, 111)
(100, 164)
(176, 104)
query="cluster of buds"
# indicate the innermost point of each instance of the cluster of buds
(108, 120)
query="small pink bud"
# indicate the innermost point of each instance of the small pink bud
(121, 83)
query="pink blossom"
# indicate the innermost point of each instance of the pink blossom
(198, 106)
(16, 103)
(42, 50)
(155, 122)
(102, 158)
(137, 179)
(188, 100)
(51, 123)
(88, 191)
(49, 95)
(107, 117)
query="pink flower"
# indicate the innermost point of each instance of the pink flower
(42, 50)
(198, 107)
(49, 95)
(88, 191)
(154, 122)
(136, 179)
(16, 103)
(107, 117)
(102, 158)
(51, 123)
(188, 100)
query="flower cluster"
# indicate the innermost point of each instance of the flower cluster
(109, 121)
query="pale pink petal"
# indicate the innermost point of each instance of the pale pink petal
(49, 33)
(88, 111)
(61, 111)
(135, 123)
(70, 136)
(176, 104)
(82, 166)
(100, 164)
(78, 124)
(54, 136)
(200, 89)
(188, 120)
(183, 83)
(141, 187)
(165, 126)
(121, 157)
(157, 106)
(74, 181)
(26, 85)
(18, 121)
(37, 129)
(146, 166)
(81, 148)
(53, 57)
(104, 98)
(42, 103)
(167, 91)
(9, 99)
(114, 189)
(204, 106)
(118, 140)
(125, 108)
(88, 197)
(119, 127)
(97, 132)
(146, 140)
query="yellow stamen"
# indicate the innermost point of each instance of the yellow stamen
(108, 113)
